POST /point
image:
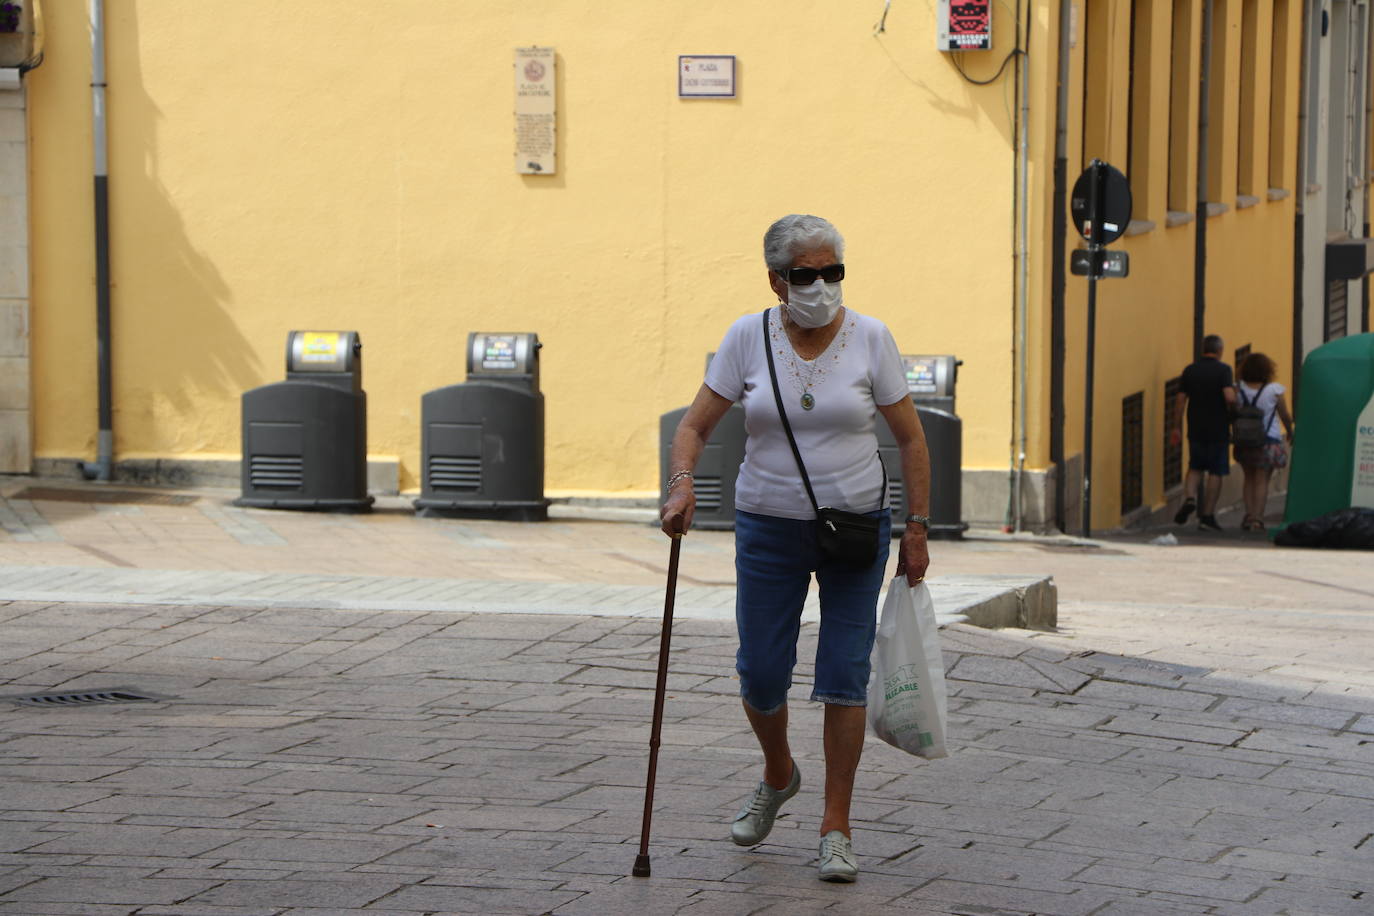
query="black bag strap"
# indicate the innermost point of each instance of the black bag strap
(782, 413)
(787, 427)
(1268, 421)
(1257, 395)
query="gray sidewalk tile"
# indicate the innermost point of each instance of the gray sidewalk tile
(1351, 867)
(1213, 794)
(340, 892)
(66, 909)
(302, 853)
(106, 891)
(1131, 724)
(186, 909)
(967, 895)
(1307, 900)
(1231, 887)
(1202, 762)
(1140, 695)
(475, 901)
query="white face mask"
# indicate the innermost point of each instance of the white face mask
(814, 306)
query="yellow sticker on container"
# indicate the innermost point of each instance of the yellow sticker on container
(319, 346)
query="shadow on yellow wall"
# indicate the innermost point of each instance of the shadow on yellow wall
(173, 331)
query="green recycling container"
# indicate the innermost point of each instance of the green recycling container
(1333, 455)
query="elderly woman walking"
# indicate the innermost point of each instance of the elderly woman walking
(811, 375)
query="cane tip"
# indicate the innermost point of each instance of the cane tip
(641, 869)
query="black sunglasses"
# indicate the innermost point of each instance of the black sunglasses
(805, 276)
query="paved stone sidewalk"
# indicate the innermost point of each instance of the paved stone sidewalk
(987, 600)
(75, 543)
(343, 761)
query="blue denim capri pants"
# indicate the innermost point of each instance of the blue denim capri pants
(774, 559)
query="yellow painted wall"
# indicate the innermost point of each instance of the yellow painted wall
(327, 165)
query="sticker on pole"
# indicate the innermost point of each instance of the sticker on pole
(1085, 262)
(1103, 187)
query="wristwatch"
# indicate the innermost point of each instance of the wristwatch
(922, 520)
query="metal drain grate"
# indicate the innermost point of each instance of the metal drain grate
(84, 698)
(93, 495)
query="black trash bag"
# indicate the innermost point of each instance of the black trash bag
(1344, 529)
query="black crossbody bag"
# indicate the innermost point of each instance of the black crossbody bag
(845, 537)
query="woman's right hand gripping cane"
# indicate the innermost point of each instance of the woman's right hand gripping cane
(675, 515)
(680, 501)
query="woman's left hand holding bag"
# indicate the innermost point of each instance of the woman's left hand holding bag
(913, 556)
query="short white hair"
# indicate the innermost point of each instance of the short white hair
(795, 233)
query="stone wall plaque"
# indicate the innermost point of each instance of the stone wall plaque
(536, 140)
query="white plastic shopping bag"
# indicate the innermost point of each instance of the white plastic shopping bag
(906, 691)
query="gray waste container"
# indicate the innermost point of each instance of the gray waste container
(931, 381)
(482, 441)
(713, 481)
(716, 470)
(305, 439)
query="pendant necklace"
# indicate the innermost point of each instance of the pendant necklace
(808, 400)
(808, 375)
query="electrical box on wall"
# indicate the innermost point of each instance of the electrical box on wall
(964, 25)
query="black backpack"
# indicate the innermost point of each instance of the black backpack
(1249, 426)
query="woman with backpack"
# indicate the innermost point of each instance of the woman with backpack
(1258, 391)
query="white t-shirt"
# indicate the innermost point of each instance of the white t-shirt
(1268, 402)
(859, 370)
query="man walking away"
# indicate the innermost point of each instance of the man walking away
(1207, 390)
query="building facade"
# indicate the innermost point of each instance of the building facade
(318, 165)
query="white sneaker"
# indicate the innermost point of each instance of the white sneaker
(755, 819)
(837, 858)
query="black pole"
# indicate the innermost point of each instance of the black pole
(641, 867)
(1297, 303)
(1095, 204)
(102, 302)
(1088, 396)
(1057, 287)
(1058, 253)
(1299, 178)
(1364, 285)
(101, 468)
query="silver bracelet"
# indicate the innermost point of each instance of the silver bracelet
(673, 481)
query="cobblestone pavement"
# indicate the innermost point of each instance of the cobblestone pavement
(1198, 737)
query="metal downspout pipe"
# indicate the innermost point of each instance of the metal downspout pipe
(1363, 165)
(1203, 119)
(101, 469)
(1023, 278)
(1058, 256)
(1025, 264)
(1300, 202)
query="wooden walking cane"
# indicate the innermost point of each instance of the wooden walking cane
(641, 867)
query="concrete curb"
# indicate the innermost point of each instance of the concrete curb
(991, 602)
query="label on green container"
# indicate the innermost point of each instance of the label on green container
(1362, 481)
